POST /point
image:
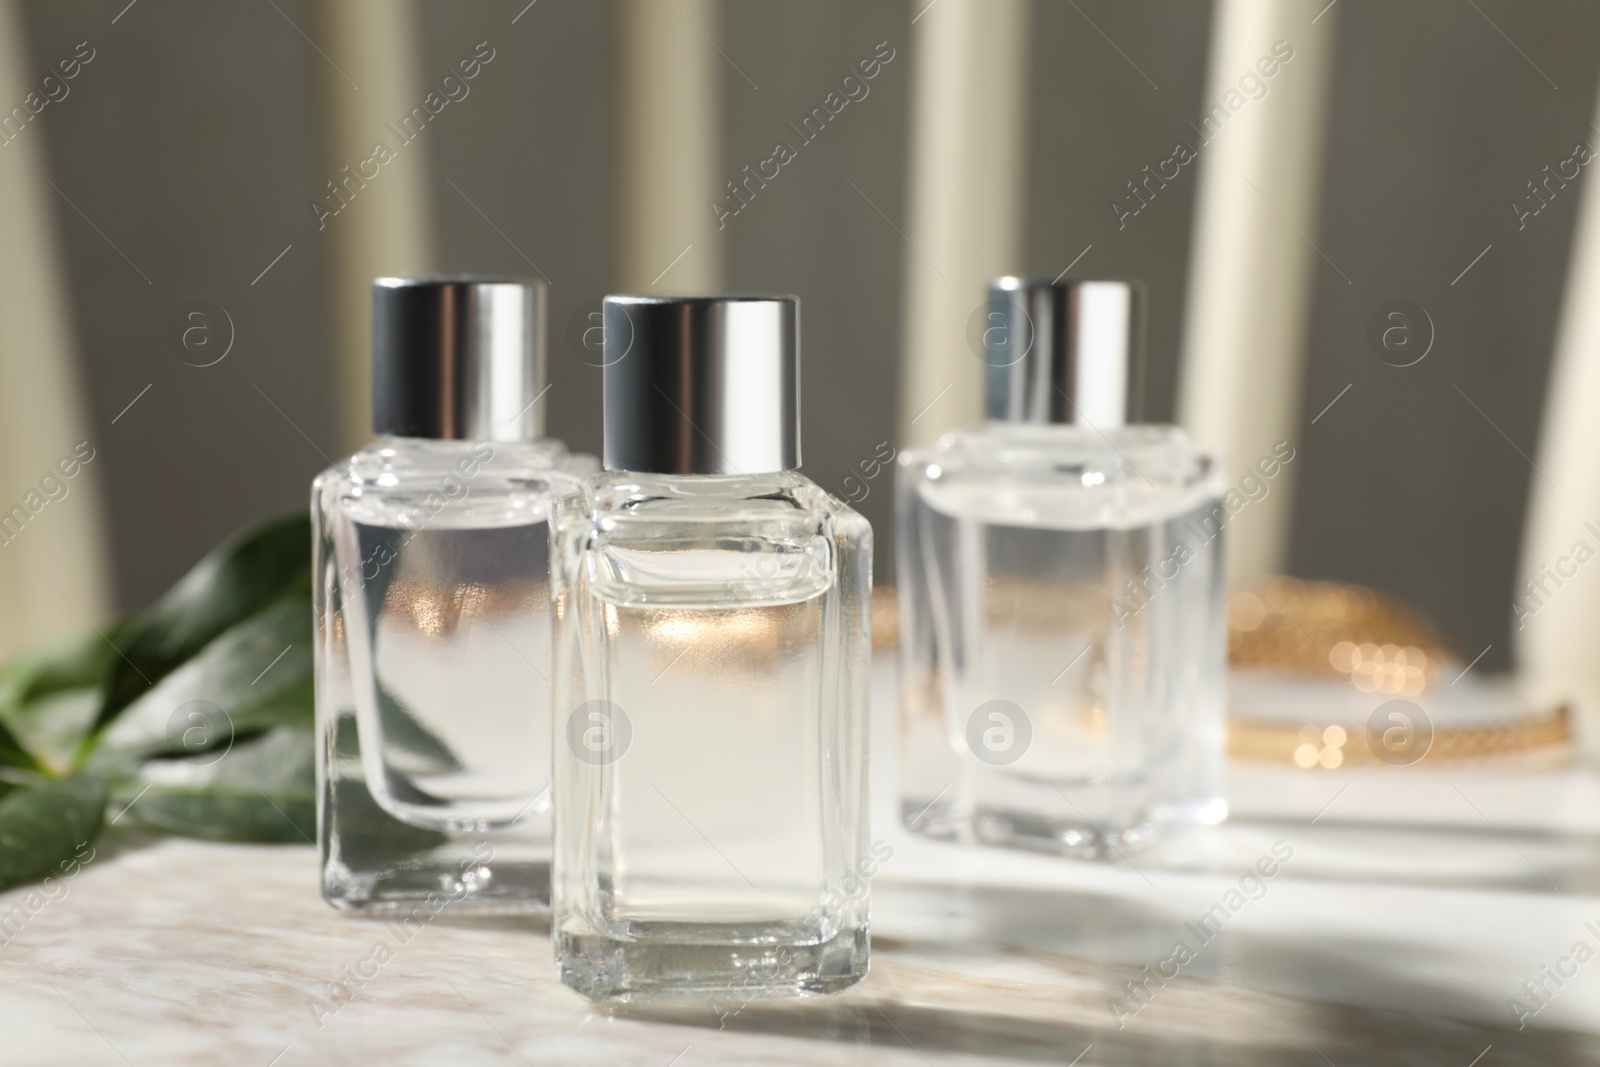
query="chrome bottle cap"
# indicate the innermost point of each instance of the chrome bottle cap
(702, 384)
(457, 358)
(1060, 352)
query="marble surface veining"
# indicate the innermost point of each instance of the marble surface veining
(1414, 906)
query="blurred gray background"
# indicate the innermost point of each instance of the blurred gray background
(191, 142)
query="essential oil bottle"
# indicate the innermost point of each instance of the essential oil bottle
(1061, 596)
(432, 590)
(712, 629)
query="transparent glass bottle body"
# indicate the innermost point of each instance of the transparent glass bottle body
(431, 568)
(711, 688)
(1062, 636)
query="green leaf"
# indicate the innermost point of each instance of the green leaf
(76, 664)
(263, 789)
(255, 676)
(42, 827)
(52, 728)
(12, 754)
(233, 582)
(403, 730)
(370, 836)
(49, 697)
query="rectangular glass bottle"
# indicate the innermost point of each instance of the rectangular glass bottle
(712, 633)
(431, 589)
(1061, 595)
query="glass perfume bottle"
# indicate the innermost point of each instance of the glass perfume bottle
(1061, 596)
(712, 630)
(431, 588)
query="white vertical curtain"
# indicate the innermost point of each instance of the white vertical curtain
(966, 184)
(670, 143)
(53, 567)
(370, 82)
(1555, 606)
(1255, 251)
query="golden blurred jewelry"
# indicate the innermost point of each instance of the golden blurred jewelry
(885, 617)
(1329, 629)
(1332, 630)
(1331, 747)
(1335, 631)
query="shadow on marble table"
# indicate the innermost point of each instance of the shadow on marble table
(1030, 976)
(1519, 859)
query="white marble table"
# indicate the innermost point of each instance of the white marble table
(1413, 907)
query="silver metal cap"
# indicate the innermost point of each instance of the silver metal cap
(1061, 352)
(702, 384)
(457, 358)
